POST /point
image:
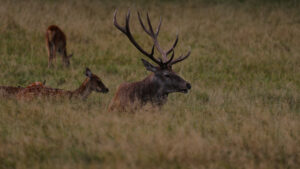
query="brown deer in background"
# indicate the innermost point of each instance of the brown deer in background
(157, 86)
(91, 83)
(56, 42)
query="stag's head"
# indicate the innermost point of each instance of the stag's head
(95, 82)
(164, 76)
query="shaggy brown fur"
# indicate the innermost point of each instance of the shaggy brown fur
(136, 94)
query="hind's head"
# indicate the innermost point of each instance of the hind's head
(95, 82)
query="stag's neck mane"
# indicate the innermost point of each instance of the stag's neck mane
(150, 90)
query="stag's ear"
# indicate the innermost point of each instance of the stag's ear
(88, 72)
(148, 66)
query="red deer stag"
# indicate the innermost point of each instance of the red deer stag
(56, 42)
(91, 83)
(160, 83)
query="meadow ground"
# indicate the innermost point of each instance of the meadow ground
(243, 110)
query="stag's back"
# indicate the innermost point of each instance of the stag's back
(131, 95)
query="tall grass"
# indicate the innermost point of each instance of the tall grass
(242, 111)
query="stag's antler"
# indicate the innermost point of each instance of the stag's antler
(164, 62)
(126, 31)
(154, 36)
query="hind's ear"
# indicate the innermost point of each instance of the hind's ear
(149, 66)
(70, 55)
(88, 72)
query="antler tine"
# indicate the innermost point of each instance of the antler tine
(150, 26)
(127, 22)
(117, 25)
(158, 27)
(181, 58)
(126, 31)
(171, 58)
(150, 33)
(142, 24)
(174, 45)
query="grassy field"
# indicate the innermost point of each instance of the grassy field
(243, 110)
